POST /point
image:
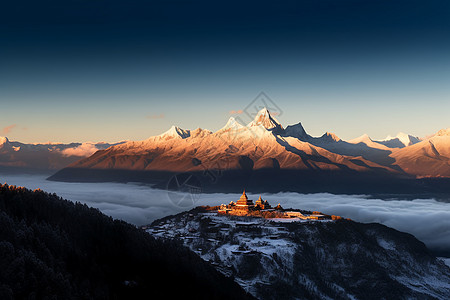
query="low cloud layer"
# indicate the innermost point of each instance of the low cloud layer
(84, 150)
(428, 220)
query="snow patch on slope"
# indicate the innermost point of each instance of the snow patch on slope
(388, 245)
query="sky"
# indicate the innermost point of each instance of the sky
(109, 70)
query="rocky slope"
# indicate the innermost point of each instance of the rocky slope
(429, 158)
(305, 259)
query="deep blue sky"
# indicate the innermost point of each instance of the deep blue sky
(113, 70)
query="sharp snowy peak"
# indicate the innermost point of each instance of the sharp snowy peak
(261, 127)
(176, 132)
(407, 139)
(264, 118)
(400, 140)
(232, 124)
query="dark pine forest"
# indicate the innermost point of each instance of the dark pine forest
(51, 248)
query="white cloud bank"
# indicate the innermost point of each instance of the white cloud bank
(428, 220)
(84, 150)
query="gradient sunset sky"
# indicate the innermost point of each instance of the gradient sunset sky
(108, 70)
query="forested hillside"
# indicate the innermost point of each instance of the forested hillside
(54, 248)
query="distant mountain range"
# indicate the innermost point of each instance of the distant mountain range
(265, 152)
(49, 156)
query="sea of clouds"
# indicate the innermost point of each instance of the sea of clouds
(427, 219)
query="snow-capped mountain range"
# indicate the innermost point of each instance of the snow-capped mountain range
(263, 145)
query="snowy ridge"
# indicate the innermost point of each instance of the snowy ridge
(232, 124)
(265, 119)
(176, 132)
(400, 140)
